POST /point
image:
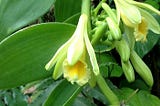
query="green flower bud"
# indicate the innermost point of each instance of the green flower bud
(114, 29)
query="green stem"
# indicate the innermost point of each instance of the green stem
(85, 9)
(111, 97)
(98, 7)
(99, 33)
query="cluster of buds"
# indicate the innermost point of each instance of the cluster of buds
(129, 22)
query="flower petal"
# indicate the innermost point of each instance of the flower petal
(78, 73)
(58, 70)
(129, 13)
(141, 30)
(91, 55)
(144, 5)
(59, 52)
(152, 22)
(76, 48)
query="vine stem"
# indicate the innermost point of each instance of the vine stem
(111, 97)
(98, 7)
(85, 9)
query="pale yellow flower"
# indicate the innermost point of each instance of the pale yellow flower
(135, 15)
(70, 58)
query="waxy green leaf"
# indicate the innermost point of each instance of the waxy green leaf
(24, 54)
(63, 94)
(15, 14)
(66, 8)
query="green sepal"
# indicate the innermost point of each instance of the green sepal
(59, 52)
(58, 70)
(92, 55)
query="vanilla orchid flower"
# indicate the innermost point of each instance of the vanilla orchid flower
(135, 15)
(71, 57)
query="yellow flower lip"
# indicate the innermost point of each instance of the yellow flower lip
(78, 73)
(141, 30)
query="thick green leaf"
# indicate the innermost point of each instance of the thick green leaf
(97, 94)
(108, 65)
(15, 14)
(137, 84)
(66, 8)
(141, 98)
(24, 54)
(63, 94)
(73, 19)
(154, 3)
(82, 101)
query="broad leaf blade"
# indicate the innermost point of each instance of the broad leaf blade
(73, 19)
(63, 94)
(140, 98)
(24, 54)
(66, 8)
(44, 93)
(15, 14)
